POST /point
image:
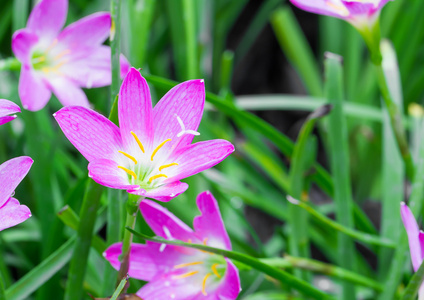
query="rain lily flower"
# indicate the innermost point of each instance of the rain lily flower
(6, 109)
(176, 272)
(11, 174)
(64, 61)
(415, 238)
(152, 150)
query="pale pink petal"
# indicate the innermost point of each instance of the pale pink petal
(358, 8)
(92, 134)
(164, 223)
(33, 92)
(146, 261)
(197, 157)
(11, 174)
(229, 287)
(6, 109)
(413, 232)
(421, 240)
(186, 101)
(323, 7)
(12, 213)
(135, 110)
(91, 68)
(163, 193)
(209, 224)
(107, 173)
(67, 92)
(47, 18)
(90, 31)
(165, 287)
(23, 42)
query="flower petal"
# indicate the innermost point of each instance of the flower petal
(413, 232)
(210, 225)
(107, 173)
(135, 110)
(164, 223)
(90, 31)
(7, 108)
(12, 213)
(197, 157)
(33, 92)
(185, 101)
(92, 134)
(146, 261)
(163, 193)
(23, 42)
(47, 19)
(11, 174)
(91, 68)
(230, 287)
(332, 8)
(67, 92)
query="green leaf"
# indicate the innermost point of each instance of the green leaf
(414, 285)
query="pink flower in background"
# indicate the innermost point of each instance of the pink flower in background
(357, 12)
(151, 151)
(415, 239)
(182, 273)
(64, 61)
(7, 109)
(11, 174)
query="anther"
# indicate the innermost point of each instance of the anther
(138, 141)
(157, 176)
(215, 271)
(158, 147)
(204, 284)
(129, 156)
(185, 275)
(205, 240)
(167, 166)
(188, 264)
(128, 171)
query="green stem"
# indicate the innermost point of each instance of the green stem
(396, 122)
(115, 46)
(2, 292)
(10, 64)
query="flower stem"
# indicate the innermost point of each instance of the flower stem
(115, 46)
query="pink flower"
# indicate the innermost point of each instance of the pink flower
(357, 12)
(415, 238)
(6, 109)
(152, 150)
(183, 273)
(11, 174)
(64, 61)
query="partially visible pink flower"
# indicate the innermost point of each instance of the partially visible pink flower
(64, 61)
(182, 273)
(415, 239)
(151, 151)
(11, 174)
(357, 12)
(7, 111)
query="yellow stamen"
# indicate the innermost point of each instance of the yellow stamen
(138, 141)
(51, 45)
(39, 59)
(167, 166)
(205, 240)
(157, 176)
(158, 147)
(188, 264)
(214, 270)
(129, 156)
(61, 54)
(204, 284)
(189, 241)
(185, 275)
(128, 171)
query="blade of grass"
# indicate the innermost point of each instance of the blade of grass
(115, 46)
(339, 159)
(119, 288)
(414, 285)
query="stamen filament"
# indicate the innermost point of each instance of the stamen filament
(51, 46)
(129, 156)
(158, 147)
(61, 54)
(188, 264)
(205, 240)
(185, 275)
(215, 271)
(138, 141)
(204, 284)
(157, 176)
(167, 166)
(128, 171)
